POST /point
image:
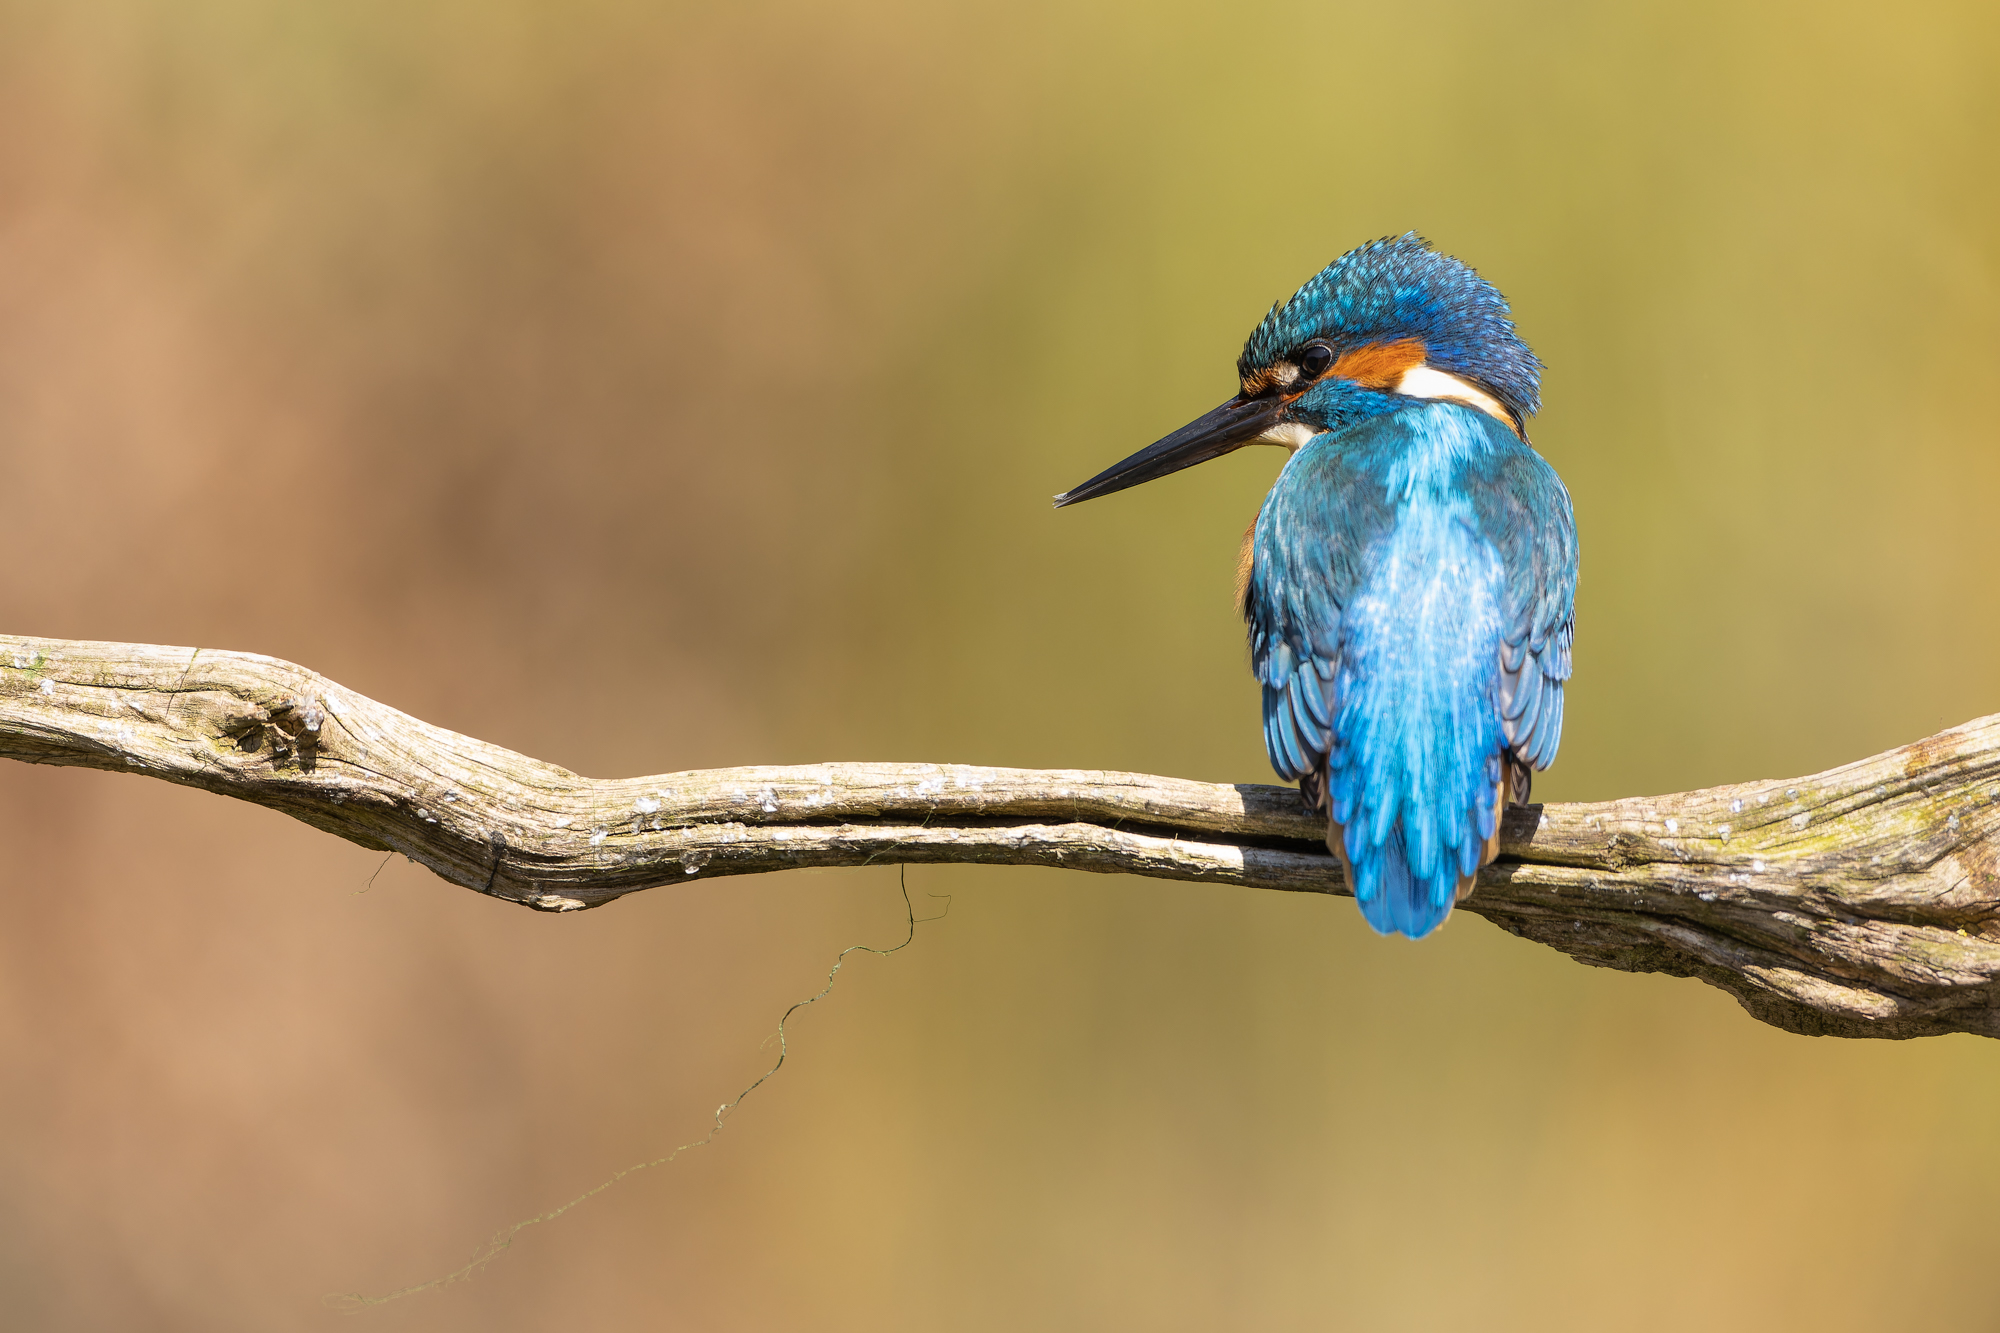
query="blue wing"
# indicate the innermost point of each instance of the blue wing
(1409, 601)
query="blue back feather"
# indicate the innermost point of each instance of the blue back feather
(1409, 605)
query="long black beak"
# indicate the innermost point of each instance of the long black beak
(1231, 426)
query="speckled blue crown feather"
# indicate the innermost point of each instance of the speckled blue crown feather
(1399, 287)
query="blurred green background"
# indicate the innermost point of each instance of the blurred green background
(650, 387)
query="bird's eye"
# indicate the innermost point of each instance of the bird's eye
(1315, 360)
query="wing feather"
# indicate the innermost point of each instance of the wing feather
(1316, 546)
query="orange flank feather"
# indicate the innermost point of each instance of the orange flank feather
(1493, 843)
(1244, 559)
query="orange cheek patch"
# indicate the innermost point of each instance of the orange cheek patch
(1380, 365)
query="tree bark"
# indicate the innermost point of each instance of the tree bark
(1860, 902)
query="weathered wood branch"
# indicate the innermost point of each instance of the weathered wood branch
(1859, 902)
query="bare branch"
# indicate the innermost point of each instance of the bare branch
(1859, 902)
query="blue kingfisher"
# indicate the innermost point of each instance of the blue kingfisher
(1410, 579)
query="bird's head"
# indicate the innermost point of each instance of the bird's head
(1385, 323)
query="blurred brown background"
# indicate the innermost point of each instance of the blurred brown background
(650, 387)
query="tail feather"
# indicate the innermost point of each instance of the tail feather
(1419, 727)
(1394, 898)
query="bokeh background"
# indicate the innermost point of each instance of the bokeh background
(653, 386)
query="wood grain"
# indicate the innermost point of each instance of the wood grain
(1859, 902)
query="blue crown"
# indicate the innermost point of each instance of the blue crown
(1399, 287)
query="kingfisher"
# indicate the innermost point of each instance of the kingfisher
(1409, 582)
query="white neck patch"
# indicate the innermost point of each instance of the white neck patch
(1424, 382)
(1294, 435)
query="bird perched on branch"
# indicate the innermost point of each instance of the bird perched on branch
(1409, 581)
